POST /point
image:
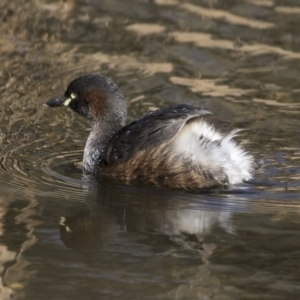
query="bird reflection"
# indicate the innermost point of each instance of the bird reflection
(115, 213)
(87, 230)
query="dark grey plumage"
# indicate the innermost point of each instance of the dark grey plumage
(150, 131)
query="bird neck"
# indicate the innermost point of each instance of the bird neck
(94, 148)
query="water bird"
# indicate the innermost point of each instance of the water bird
(174, 147)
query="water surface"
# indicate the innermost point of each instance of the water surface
(62, 237)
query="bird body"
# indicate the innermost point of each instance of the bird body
(172, 147)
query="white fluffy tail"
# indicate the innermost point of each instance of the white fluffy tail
(214, 152)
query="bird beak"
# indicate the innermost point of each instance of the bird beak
(58, 101)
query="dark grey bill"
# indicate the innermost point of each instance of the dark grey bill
(58, 101)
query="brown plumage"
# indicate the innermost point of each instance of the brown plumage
(162, 167)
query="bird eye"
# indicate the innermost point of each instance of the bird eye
(73, 95)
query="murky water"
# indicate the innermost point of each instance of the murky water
(62, 238)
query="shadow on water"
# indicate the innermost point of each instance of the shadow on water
(63, 237)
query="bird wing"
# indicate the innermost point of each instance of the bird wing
(151, 130)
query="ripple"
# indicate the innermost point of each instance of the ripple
(208, 41)
(39, 165)
(227, 17)
(67, 179)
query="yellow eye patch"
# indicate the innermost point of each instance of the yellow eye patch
(67, 102)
